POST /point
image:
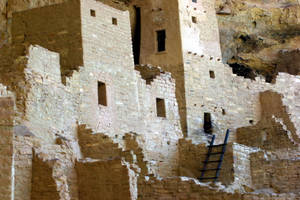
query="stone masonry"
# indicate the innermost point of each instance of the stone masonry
(80, 120)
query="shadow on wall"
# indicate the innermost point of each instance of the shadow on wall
(275, 130)
(191, 157)
(43, 184)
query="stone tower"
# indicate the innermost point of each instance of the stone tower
(182, 27)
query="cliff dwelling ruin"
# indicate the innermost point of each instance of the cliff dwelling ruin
(149, 99)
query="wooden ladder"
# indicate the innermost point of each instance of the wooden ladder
(208, 162)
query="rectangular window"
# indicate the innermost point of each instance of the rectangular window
(114, 21)
(195, 1)
(93, 13)
(161, 40)
(160, 107)
(212, 74)
(194, 19)
(102, 99)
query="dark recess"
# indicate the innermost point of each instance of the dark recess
(245, 38)
(161, 40)
(242, 70)
(207, 123)
(137, 37)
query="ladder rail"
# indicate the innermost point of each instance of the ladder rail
(220, 161)
(222, 155)
(208, 155)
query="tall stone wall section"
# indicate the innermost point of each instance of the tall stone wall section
(199, 27)
(7, 107)
(156, 16)
(52, 112)
(131, 103)
(52, 108)
(233, 101)
(23, 157)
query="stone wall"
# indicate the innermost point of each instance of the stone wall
(58, 28)
(242, 166)
(103, 179)
(156, 16)
(199, 28)
(280, 175)
(23, 157)
(224, 97)
(59, 111)
(43, 184)
(192, 156)
(274, 130)
(187, 188)
(51, 110)
(7, 107)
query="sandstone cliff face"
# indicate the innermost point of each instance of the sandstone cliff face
(262, 35)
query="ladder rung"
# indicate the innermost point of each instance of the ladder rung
(215, 153)
(217, 145)
(208, 178)
(215, 169)
(212, 161)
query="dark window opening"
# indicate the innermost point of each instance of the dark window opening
(93, 13)
(161, 40)
(137, 36)
(194, 19)
(195, 1)
(212, 74)
(251, 121)
(223, 111)
(245, 38)
(114, 21)
(102, 99)
(242, 70)
(207, 123)
(269, 78)
(160, 107)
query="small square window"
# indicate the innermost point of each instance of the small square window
(194, 19)
(160, 107)
(212, 74)
(114, 21)
(102, 100)
(93, 13)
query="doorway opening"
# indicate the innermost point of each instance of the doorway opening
(207, 123)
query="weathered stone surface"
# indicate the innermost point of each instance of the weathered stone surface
(103, 179)
(101, 127)
(43, 185)
(262, 35)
